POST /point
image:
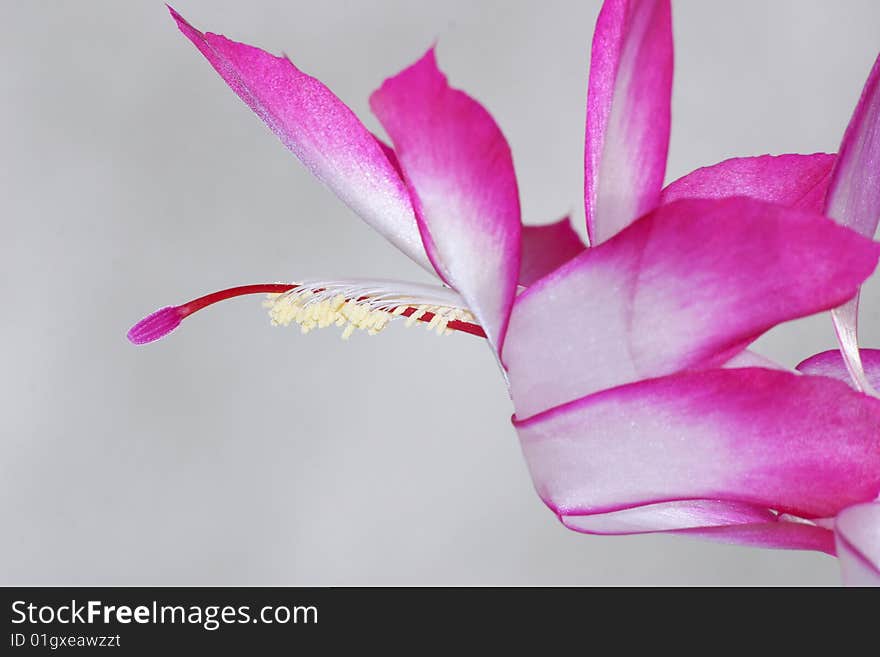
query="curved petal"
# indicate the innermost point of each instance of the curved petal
(321, 131)
(802, 445)
(687, 286)
(778, 535)
(857, 533)
(460, 174)
(546, 247)
(628, 114)
(831, 363)
(668, 516)
(854, 201)
(798, 181)
(723, 522)
(854, 191)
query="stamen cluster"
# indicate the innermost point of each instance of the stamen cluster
(312, 309)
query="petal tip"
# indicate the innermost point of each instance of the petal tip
(184, 26)
(156, 325)
(174, 14)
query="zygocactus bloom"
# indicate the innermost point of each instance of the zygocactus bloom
(626, 422)
(856, 528)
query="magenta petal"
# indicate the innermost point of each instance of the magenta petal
(830, 363)
(779, 535)
(628, 114)
(801, 445)
(854, 191)
(857, 532)
(798, 181)
(668, 516)
(687, 286)
(544, 248)
(321, 131)
(724, 522)
(854, 200)
(460, 173)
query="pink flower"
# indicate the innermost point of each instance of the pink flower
(614, 353)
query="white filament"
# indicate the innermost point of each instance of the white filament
(367, 305)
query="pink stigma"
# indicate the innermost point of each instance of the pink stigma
(163, 321)
(155, 326)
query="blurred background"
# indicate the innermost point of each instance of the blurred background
(238, 453)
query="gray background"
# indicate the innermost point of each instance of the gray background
(235, 453)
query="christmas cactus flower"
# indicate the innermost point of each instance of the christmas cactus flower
(637, 404)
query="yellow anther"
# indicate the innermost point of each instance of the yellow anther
(311, 310)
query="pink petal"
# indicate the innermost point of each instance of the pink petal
(321, 131)
(778, 535)
(854, 191)
(668, 516)
(688, 286)
(799, 181)
(460, 173)
(546, 247)
(802, 445)
(725, 522)
(857, 533)
(628, 118)
(854, 200)
(830, 363)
